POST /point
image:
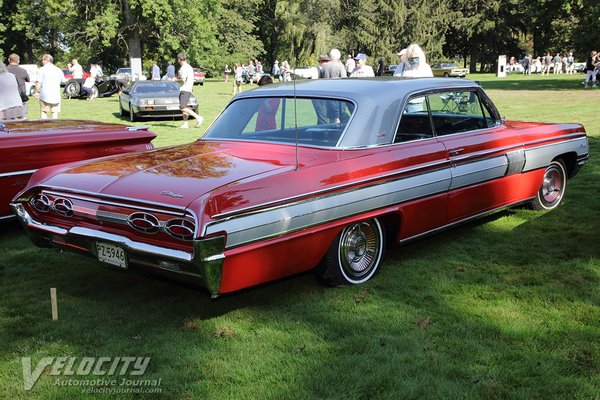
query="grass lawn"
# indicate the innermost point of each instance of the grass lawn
(503, 308)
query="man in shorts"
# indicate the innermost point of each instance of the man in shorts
(186, 74)
(47, 88)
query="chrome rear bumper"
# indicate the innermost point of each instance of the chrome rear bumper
(204, 262)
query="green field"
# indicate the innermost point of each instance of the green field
(504, 308)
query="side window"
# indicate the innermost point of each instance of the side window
(457, 111)
(414, 121)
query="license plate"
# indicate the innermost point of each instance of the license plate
(111, 254)
(175, 107)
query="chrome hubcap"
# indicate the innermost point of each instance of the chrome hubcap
(359, 248)
(552, 185)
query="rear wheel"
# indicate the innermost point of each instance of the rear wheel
(72, 89)
(446, 75)
(354, 256)
(132, 116)
(553, 187)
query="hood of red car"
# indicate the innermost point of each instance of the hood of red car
(175, 175)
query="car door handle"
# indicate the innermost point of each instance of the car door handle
(455, 152)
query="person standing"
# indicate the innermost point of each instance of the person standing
(380, 67)
(570, 61)
(590, 67)
(401, 67)
(76, 69)
(557, 64)
(276, 71)
(47, 87)
(320, 106)
(334, 68)
(22, 77)
(186, 74)
(251, 72)
(286, 71)
(350, 65)
(265, 117)
(527, 64)
(155, 72)
(227, 72)
(11, 106)
(547, 62)
(237, 78)
(416, 63)
(171, 71)
(362, 70)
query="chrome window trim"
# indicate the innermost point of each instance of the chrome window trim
(426, 93)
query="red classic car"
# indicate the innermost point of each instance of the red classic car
(317, 175)
(26, 146)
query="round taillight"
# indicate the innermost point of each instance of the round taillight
(144, 222)
(40, 202)
(181, 228)
(63, 207)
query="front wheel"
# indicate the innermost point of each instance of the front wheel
(552, 189)
(354, 256)
(132, 116)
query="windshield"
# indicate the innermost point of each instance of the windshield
(315, 122)
(154, 86)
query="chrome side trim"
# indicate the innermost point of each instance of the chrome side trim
(415, 170)
(541, 156)
(288, 218)
(7, 217)
(516, 161)
(478, 171)
(17, 173)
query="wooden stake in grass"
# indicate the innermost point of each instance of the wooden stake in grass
(54, 304)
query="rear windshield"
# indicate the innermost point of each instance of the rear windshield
(155, 86)
(312, 122)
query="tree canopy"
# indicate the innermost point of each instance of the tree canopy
(216, 32)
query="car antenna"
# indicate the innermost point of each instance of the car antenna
(295, 116)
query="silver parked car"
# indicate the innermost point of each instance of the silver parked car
(152, 99)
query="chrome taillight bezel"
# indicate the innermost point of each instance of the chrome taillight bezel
(40, 202)
(144, 222)
(184, 224)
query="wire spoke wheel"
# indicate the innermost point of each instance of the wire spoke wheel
(359, 248)
(354, 257)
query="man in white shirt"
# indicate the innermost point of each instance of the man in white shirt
(362, 70)
(186, 74)
(47, 87)
(76, 69)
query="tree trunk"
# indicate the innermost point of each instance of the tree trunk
(134, 44)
